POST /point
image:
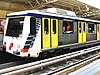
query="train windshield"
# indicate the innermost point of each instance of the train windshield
(15, 27)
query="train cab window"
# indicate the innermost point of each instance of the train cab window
(46, 26)
(68, 27)
(32, 26)
(54, 26)
(15, 27)
(91, 28)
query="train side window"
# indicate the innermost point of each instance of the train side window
(91, 28)
(46, 26)
(32, 26)
(68, 27)
(54, 26)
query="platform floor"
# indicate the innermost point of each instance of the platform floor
(91, 69)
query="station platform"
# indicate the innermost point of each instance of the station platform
(91, 69)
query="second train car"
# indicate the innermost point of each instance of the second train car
(29, 33)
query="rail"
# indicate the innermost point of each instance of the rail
(39, 65)
(67, 70)
(14, 63)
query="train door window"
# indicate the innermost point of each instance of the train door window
(54, 26)
(68, 27)
(46, 30)
(80, 27)
(32, 26)
(97, 28)
(91, 28)
(84, 27)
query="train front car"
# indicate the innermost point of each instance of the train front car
(22, 36)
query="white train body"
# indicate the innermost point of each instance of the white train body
(21, 44)
(25, 34)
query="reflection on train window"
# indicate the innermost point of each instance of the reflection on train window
(32, 26)
(91, 28)
(68, 27)
(54, 26)
(46, 26)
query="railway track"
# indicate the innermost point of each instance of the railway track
(8, 60)
(15, 63)
(56, 64)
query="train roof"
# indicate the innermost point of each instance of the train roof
(43, 13)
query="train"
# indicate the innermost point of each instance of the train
(33, 32)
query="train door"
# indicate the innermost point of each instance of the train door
(49, 33)
(54, 32)
(81, 32)
(84, 31)
(45, 32)
(98, 31)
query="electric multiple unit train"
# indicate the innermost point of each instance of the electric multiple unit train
(29, 33)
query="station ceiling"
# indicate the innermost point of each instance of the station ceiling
(81, 9)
